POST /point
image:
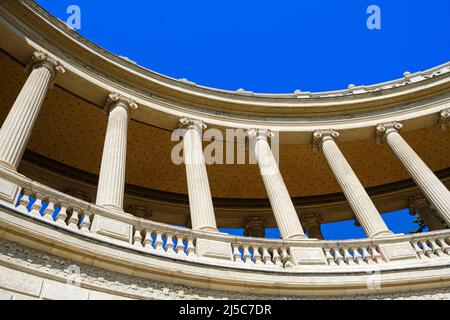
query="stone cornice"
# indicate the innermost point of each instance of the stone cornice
(177, 97)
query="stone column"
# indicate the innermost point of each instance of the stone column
(255, 227)
(282, 206)
(364, 209)
(433, 189)
(111, 184)
(444, 119)
(17, 128)
(200, 199)
(419, 205)
(311, 223)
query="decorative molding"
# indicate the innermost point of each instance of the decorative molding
(41, 59)
(444, 119)
(320, 135)
(59, 269)
(189, 123)
(115, 99)
(383, 129)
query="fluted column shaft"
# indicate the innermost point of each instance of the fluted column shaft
(111, 184)
(433, 189)
(357, 197)
(282, 206)
(17, 128)
(200, 199)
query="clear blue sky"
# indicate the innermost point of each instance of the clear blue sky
(271, 46)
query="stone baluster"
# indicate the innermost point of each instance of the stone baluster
(148, 240)
(85, 224)
(357, 197)
(276, 258)
(246, 254)
(37, 205)
(367, 257)
(433, 189)
(282, 206)
(180, 245)
(237, 256)
(74, 219)
(169, 243)
(266, 257)
(19, 123)
(159, 241)
(200, 199)
(257, 257)
(50, 210)
(137, 237)
(111, 184)
(61, 218)
(190, 250)
(329, 256)
(25, 199)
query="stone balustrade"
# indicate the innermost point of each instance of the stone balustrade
(74, 215)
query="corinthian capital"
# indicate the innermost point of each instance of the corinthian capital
(384, 129)
(320, 136)
(444, 119)
(116, 99)
(41, 59)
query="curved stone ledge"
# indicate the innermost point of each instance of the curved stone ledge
(298, 268)
(94, 72)
(51, 277)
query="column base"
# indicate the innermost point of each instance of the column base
(206, 248)
(7, 165)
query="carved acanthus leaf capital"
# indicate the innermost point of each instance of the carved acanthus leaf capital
(383, 129)
(41, 59)
(189, 123)
(319, 137)
(444, 119)
(115, 99)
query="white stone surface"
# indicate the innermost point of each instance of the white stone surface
(111, 185)
(200, 199)
(282, 206)
(357, 197)
(19, 123)
(432, 188)
(213, 249)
